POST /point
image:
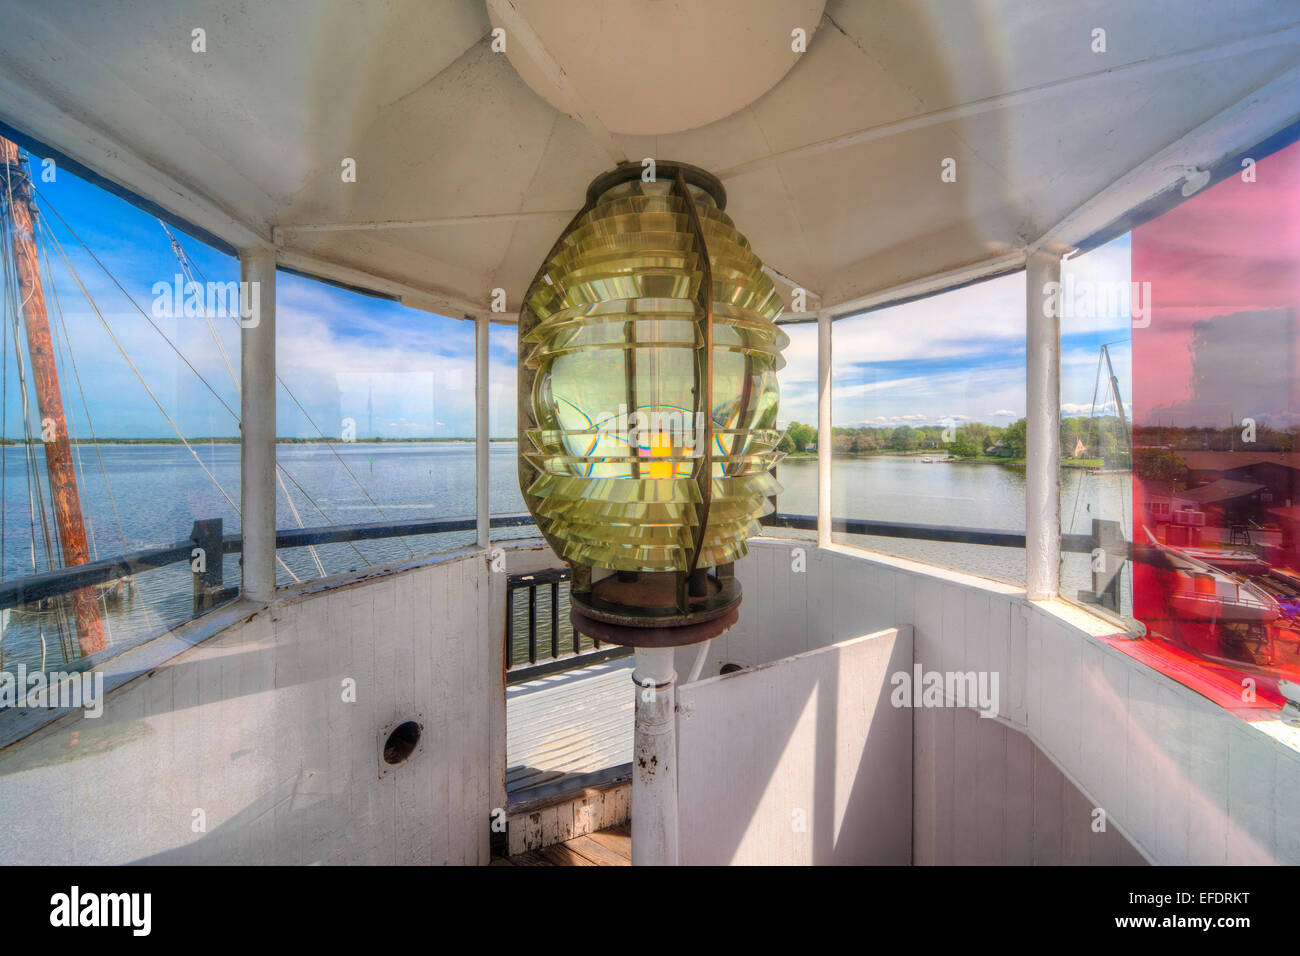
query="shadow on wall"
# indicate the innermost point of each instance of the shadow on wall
(802, 760)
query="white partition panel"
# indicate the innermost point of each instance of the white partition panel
(262, 743)
(1082, 727)
(801, 760)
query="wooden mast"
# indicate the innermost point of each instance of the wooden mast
(49, 399)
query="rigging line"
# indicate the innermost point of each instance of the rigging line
(100, 315)
(32, 473)
(29, 462)
(74, 446)
(76, 277)
(179, 251)
(12, 288)
(294, 398)
(90, 424)
(1092, 418)
(53, 552)
(288, 570)
(328, 519)
(36, 505)
(130, 299)
(27, 443)
(150, 618)
(298, 518)
(183, 261)
(320, 431)
(328, 444)
(61, 324)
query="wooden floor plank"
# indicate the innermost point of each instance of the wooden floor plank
(531, 858)
(615, 842)
(609, 847)
(563, 855)
(599, 854)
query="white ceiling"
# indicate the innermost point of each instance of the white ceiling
(465, 174)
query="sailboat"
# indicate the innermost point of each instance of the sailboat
(23, 269)
(1218, 616)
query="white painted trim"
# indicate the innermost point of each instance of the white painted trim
(935, 571)
(1042, 431)
(427, 299)
(780, 278)
(257, 431)
(1127, 833)
(380, 224)
(1249, 121)
(113, 159)
(825, 443)
(482, 436)
(930, 285)
(120, 666)
(1074, 85)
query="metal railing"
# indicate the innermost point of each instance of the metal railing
(207, 535)
(1106, 540)
(527, 656)
(1074, 543)
(209, 587)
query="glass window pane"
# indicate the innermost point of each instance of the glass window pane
(1096, 407)
(375, 420)
(797, 419)
(136, 419)
(503, 370)
(1216, 373)
(929, 426)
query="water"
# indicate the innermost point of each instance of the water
(160, 490)
(960, 494)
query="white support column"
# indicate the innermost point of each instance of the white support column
(1042, 428)
(257, 424)
(825, 444)
(482, 436)
(654, 759)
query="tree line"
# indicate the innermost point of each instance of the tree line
(1095, 439)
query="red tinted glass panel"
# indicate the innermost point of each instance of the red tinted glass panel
(1216, 472)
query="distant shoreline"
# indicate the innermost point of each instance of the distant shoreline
(278, 441)
(939, 457)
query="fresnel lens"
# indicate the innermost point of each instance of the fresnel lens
(648, 400)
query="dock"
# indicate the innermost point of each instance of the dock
(568, 725)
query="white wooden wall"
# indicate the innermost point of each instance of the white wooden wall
(799, 761)
(1180, 780)
(250, 728)
(592, 810)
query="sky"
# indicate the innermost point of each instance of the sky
(958, 355)
(393, 371)
(1225, 270)
(397, 372)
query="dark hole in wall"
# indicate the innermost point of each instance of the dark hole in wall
(401, 742)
